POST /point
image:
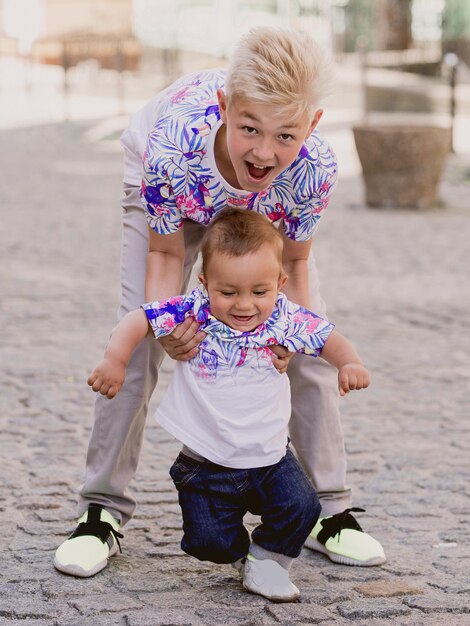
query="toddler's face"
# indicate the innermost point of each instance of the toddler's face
(261, 142)
(243, 290)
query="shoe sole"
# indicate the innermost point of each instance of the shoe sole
(76, 570)
(278, 600)
(315, 545)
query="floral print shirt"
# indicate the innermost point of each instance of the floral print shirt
(290, 325)
(229, 404)
(181, 180)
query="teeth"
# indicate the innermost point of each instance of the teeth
(260, 167)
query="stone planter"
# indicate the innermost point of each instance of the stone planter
(402, 165)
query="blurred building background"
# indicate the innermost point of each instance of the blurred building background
(103, 57)
(213, 26)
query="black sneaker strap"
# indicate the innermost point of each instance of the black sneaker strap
(95, 527)
(333, 525)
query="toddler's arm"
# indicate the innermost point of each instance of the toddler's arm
(351, 372)
(165, 262)
(108, 376)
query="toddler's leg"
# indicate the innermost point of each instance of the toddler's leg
(288, 505)
(212, 510)
(289, 509)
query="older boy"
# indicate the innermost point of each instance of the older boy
(246, 138)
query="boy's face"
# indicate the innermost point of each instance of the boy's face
(243, 290)
(261, 142)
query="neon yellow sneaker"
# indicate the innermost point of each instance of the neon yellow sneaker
(86, 551)
(343, 541)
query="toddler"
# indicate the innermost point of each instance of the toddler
(230, 407)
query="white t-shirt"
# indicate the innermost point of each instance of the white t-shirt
(229, 404)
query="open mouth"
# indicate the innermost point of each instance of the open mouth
(257, 172)
(243, 319)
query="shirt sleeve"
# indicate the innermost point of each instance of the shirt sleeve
(314, 175)
(165, 315)
(306, 332)
(158, 198)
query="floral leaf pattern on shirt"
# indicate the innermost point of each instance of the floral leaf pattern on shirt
(179, 182)
(289, 325)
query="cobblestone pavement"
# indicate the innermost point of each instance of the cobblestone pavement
(396, 283)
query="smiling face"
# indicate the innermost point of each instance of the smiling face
(257, 142)
(243, 290)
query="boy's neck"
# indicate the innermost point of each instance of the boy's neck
(222, 158)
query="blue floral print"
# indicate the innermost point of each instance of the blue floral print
(289, 325)
(179, 183)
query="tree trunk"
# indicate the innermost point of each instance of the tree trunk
(393, 20)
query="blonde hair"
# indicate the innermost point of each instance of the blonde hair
(237, 232)
(279, 67)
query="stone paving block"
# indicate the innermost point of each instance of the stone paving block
(20, 588)
(31, 622)
(151, 582)
(295, 613)
(104, 620)
(354, 574)
(173, 599)
(387, 589)
(325, 597)
(235, 616)
(402, 567)
(92, 605)
(169, 550)
(163, 617)
(56, 513)
(450, 620)
(365, 609)
(68, 587)
(160, 497)
(26, 608)
(42, 528)
(233, 595)
(443, 603)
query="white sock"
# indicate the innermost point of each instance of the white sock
(262, 554)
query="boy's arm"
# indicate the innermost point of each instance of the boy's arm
(165, 263)
(294, 261)
(108, 376)
(352, 374)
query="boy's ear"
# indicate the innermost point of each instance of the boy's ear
(316, 118)
(222, 99)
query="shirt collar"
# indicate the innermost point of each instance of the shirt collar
(272, 331)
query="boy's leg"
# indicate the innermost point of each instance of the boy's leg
(317, 436)
(315, 425)
(117, 434)
(212, 509)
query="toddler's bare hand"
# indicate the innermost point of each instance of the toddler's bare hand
(281, 358)
(352, 376)
(108, 377)
(182, 343)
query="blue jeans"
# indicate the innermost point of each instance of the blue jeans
(214, 500)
